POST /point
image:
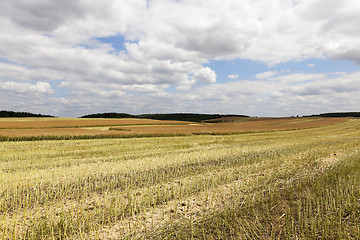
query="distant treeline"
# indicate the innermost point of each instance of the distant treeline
(193, 117)
(21, 114)
(337, 114)
(109, 115)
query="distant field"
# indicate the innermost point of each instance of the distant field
(21, 123)
(294, 184)
(60, 128)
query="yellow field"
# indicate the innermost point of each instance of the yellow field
(147, 127)
(39, 123)
(294, 184)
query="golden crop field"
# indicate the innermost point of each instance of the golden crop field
(263, 183)
(54, 128)
(41, 123)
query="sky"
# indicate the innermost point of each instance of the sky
(255, 57)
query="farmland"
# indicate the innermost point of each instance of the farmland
(289, 178)
(62, 128)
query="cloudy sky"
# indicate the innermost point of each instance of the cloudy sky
(256, 57)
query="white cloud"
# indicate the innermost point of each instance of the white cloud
(285, 95)
(26, 88)
(22, 73)
(290, 94)
(310, 65)
(299, 77)
(44, 40)
(265, 75)
(233, 76)
(206, 75)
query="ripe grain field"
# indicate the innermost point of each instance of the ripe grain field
(293, 184)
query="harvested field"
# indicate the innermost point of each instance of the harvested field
(294, 184)
(103, 128)
(40, 123)
(237, 127)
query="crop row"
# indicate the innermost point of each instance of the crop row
(163, 187)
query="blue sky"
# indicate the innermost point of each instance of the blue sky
(259, 58)
(247, 69)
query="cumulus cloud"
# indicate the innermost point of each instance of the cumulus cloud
(206, 75)
(289, 94)
(26, 88)
(43, 40)
(285, 95)
(41, 15)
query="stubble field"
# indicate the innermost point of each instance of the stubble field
(18, 129)
(293, 178)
